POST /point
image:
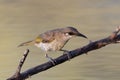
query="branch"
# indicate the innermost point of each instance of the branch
(113, 38)
(17, 76)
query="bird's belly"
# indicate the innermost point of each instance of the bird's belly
(52, 46)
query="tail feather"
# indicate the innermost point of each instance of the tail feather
(27, 43)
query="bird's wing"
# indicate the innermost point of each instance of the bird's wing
(47, 36)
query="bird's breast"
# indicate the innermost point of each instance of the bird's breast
(52, 46)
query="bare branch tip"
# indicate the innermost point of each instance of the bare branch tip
(26, 51)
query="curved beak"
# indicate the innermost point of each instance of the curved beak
(81, 35)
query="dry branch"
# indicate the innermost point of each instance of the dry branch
(17, 76)
(113, 38)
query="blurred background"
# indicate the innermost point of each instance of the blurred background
(24, 20)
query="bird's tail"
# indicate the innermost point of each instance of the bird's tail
(27, 43)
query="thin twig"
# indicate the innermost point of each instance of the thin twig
(16, 76)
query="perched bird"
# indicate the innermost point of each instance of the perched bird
(54, 40)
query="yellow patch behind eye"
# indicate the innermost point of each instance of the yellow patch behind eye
(38, 40)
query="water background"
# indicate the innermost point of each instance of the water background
(23, 20)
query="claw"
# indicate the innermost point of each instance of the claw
(67, 53)
(50, 59)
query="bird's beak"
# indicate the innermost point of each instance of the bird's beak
(81, 35)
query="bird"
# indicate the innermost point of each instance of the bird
(54, 40)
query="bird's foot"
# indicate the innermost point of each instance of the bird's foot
(67, 53)
(50, 59)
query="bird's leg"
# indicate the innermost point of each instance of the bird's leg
(66, 52)
(50, 59)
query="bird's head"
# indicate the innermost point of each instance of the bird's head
(71, 31)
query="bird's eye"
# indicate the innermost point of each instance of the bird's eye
(70, 33)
